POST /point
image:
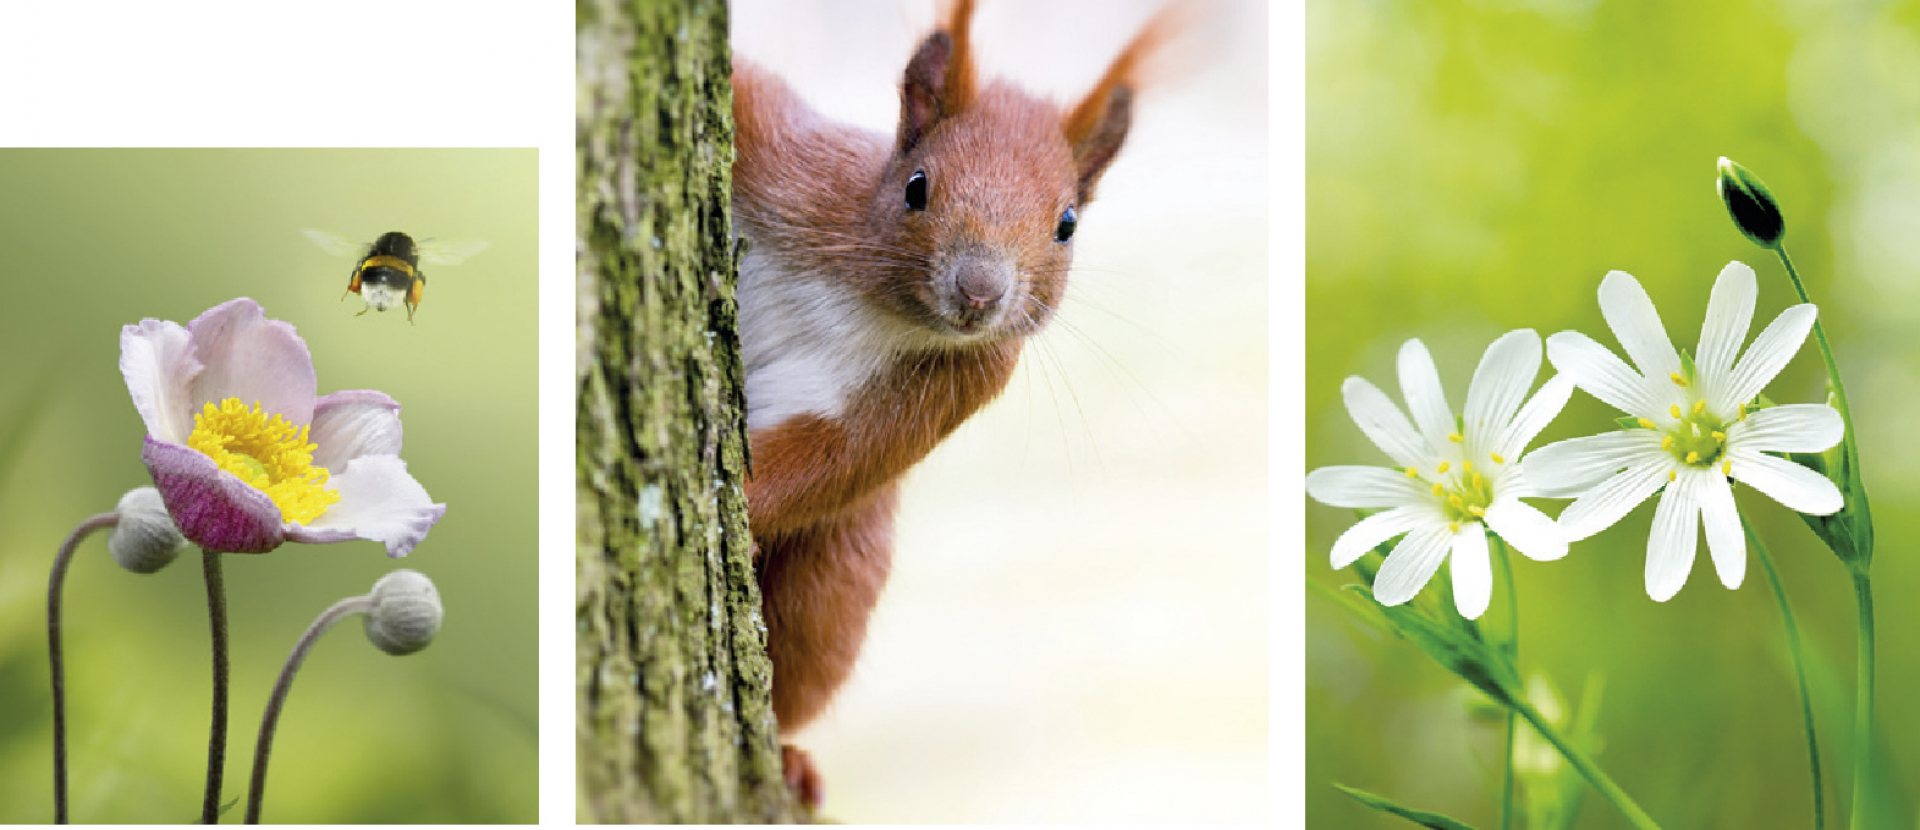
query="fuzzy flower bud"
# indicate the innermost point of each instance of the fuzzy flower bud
(1750, 204)
(405, 614)
(145, 539)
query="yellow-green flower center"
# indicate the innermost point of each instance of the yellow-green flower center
(267, 452)
(1464, 492)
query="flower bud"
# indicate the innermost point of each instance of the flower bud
(406, 612)
(145, 539)
(1750, 204)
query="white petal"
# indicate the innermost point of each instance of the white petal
(1725, 540)
(1790, 484)
(1798, 427)
(1420, 383)
(1568, 469)
(379, 501)
(1604, 376)
(1472, 571)
(156, 359)
(1349, 486)
(1614, 498)
(250, 357)
(1729, 314)
(1540, 410)
(1383, 423)
(1636, 324)
(1370, 532)
(1675, 537)
(1411, 564)
(1528, 530)
(353, 423)
(1500, 384)
(1776, 345)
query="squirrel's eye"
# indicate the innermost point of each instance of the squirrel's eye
(917, 190)
(1068, 219)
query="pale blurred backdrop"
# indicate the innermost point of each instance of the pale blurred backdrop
(1076, 625)
(91, 240)
(1476, 167)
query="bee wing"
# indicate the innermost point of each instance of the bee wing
(449, 252)
(334, 243)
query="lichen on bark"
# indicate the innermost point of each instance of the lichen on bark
(674, 722)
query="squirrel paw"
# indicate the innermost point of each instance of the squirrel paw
(802, 777)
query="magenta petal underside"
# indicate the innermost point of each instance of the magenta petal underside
(212, 508)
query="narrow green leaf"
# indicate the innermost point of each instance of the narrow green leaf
(1385, 805)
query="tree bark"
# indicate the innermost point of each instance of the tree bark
(674, 716)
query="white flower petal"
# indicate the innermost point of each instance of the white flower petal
(1726, 542)
(1604, 376)
(1472, 571)
(1528, 530)
(1615, 497)
(1420, 383)
(352, 423)
(1796, 487)
(1411, 564)
(379, 501)
(250, 357)
(1729, 314)
(1798, 427)
(1675, 537)
(1383, 423)
(1568, 469)
(1373, 530)
(1540, 410)
(1500, 384)
(1636, 324)
(1352, 486)
(156, 359)
(1770, 351)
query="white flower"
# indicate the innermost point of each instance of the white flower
(1695, 428)
(1456, 477)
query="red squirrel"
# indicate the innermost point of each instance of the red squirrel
(888, 284)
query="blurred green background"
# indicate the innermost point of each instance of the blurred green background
(93, 240)
(1476, 167)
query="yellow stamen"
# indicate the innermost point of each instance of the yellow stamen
(1674, 410)
(1496, 458)
(1453, 526)
(1672, 475)
(1693, 458)
(1719, 436)
(1455, 437)
(1699, 407)
(1456, 501)
(1479, 482)
(1412, 473)
(1477, 510)
(1466, 466)
(1438, 490)
(267, 452)
(1645, 423)
(1666, 442)
(1677, 379)
(1726, 468)
(1444, 466)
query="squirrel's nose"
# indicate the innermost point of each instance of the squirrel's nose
(983, 283)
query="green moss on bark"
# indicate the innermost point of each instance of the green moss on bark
(674, 719)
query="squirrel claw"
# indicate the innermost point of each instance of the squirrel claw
(802, 777)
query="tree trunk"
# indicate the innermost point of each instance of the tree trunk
(674, 720)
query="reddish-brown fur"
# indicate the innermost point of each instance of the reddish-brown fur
(822, 198)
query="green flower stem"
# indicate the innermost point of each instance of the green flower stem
(1592, 772)
(1513, 654)
(1826, 353)
(57, 660)
(1863, 707)
(1799, 670)
(217, 737)
(256, 790)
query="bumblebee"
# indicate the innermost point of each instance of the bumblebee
(388, 271)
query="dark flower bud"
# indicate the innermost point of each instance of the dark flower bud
(1751, 204)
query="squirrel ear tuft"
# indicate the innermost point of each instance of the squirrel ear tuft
(939, 81)
(1096, 129)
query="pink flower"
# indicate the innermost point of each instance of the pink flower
(244, 453)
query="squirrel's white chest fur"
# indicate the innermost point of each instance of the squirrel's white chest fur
(809, 344)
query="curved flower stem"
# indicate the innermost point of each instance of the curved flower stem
(217, 736)
(1799, 670)
(264, 746)
(1592, 772)
(58, 665)
(1513, 654)
(1826, 354)
(1863, 707)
